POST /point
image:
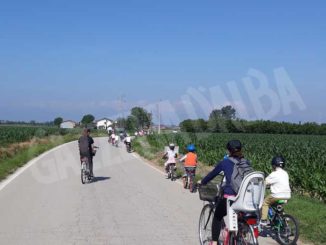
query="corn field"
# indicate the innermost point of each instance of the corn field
(305, 154)
(15, 134)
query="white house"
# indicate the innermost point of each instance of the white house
(68, 124)
(103, 123)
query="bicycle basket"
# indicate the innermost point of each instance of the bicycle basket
(208, 192)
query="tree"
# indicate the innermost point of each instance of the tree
(131, 123)
(87, 119)
(144, 119)
(187, 126)
(228, 112)
(121, 122)
(215, 114)
(57, 121)
(220, 120)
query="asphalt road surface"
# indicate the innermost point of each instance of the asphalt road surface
(129, 202)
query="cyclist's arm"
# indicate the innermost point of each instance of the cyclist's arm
(212, 174)
(165, 155)
(183, 158)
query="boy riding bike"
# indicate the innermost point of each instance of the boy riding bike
(190, 164)
(279, 184)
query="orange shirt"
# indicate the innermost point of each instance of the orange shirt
(191, 160)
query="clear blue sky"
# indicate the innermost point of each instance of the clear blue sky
(68, 58)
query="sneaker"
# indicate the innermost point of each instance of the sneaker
(263, 222)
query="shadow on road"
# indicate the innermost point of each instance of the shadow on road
(97, 179)
(268, 232)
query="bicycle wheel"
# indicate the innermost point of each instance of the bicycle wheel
(232, 239)
(83, 173)
(205, 224)
(172, 173)
(191, 184)
(246, 235)
(185, 182)
(224, 234)
(287, 230)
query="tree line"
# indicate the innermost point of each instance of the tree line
(139, 119)
(224, 121)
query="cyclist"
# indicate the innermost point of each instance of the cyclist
(171, 156)
(116, 139)
(112, 138)
(278, 181)
(86, 149)
(234, 148)
(127, 141)
(190, 162)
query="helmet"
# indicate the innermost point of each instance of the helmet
(171, 146)
(234, 146)
(278, 161)
(191, 148)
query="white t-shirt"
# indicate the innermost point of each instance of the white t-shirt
(171, 157)
(117, 138)
(128, 139)
(279, 182)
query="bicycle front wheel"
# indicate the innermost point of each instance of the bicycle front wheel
(205, 224)
(287, 230)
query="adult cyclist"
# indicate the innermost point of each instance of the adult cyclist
(234, 148)
(86, 149)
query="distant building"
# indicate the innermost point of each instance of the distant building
(103, 123)
(68, 124)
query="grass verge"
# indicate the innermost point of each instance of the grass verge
(30, 150)
(18, 154)
(310, 213)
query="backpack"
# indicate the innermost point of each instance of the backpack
(84, 145)
(240, 170)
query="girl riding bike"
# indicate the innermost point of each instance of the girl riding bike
(171, 156)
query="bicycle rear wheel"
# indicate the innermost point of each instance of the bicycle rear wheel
(205, 224)
(172, 172)
(245, 235)
(287, 230)
(83, 173)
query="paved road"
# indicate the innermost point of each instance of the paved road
(130, 202)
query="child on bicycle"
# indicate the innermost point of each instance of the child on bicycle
(190, 162)
(279, 184)
(171, 156)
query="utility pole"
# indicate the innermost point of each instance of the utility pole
(159, 118)
(121, 108)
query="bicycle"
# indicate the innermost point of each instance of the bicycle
(247, 232)
(128, 147)
(85, 172)
(284, 226)
(171, 172)
(188, 178)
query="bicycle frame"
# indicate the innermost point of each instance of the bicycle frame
(189, 178)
